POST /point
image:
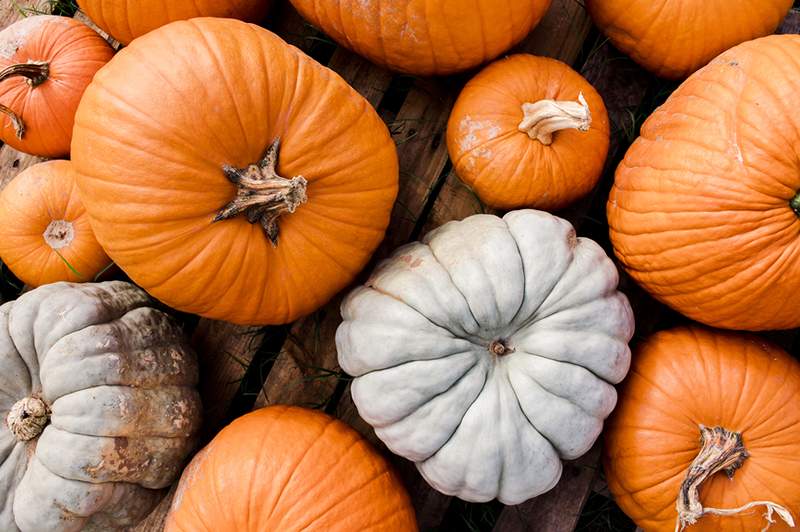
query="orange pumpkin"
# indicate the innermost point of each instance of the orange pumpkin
(425, 37)
(179, 168)
(705, 210)
(698, 404)
(46, 62)
(289, 468)
(45, 235)
(125, 21)
(528, 132)
(673, 38)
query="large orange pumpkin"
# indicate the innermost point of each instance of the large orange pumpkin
(46, 62)
(673, 38)
(176, 149)
(45, 234)
(698, 404)
(705, 210)
(528, 131)
(127, 20)
(425, 37)
(289, 468)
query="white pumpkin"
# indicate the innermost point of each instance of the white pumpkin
(487, 352)
(97, 393)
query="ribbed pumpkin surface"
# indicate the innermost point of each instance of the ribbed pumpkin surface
(425, 36)
(701, 212)
(156, 128)
(673, 38)
(288, 468)
(127, 20)
(690, 376)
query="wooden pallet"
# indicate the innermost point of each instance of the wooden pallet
(250, 367)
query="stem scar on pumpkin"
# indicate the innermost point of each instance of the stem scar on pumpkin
(546, 117)
(27, 418)
(795, 204)
(720, 450)
(36, 72)
(263, 195)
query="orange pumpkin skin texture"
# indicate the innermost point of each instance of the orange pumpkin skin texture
(704, 212)
(125, 21)
(158, 125)
(425, 37)
(673, 38)
(289, 468)
(45, 96)
(44, 228)
(508, 168)
(690, 376)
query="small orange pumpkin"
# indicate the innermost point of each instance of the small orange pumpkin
(528, 131)
(425, 37)
(698, 404)
(177, 152)
(289, 468)
(673, 38)
(45, 235)
(46, 62)
(125, 21)
(705, 209)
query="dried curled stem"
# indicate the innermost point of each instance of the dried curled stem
(28, 418)
(546, 117)
(263, 195)
(720, 450)
(36, 72)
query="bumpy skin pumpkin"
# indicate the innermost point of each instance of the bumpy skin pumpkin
(687, 377)
(46, 62)
(528, 131)
(288, 468)
(127, 20)
(486, 352)
(705, 212)
(673, 38)
(111, 381)
(164, 207)
(45, 234)
(425, 37)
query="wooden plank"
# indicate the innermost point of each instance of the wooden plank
(559, 509)
(561, 32)
(791, 23)
(13, 162)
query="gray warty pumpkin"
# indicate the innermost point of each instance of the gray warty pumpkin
(97, 393)
(487, 352)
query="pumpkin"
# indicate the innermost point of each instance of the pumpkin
(289, 468)
(45, 234)
(125, 21)
(706, 434)
(46, 62)
(425, 37)
(528, 131)
(673, 38)
(487, 352)
(98, 406)
(705, 206)
(256, 212)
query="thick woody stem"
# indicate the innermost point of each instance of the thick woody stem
(546, 117)
(795, 204)
(36, 72)
(263, 195)
(499, 348)
(720, 450)
(28, 418)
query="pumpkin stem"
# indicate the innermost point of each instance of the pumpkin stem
(720, 450)
(19, 125)
(499, 348)
(263, 195)
(28, 418)
(545, 117)
(37, 73)
(59, 234)
(795, 204)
